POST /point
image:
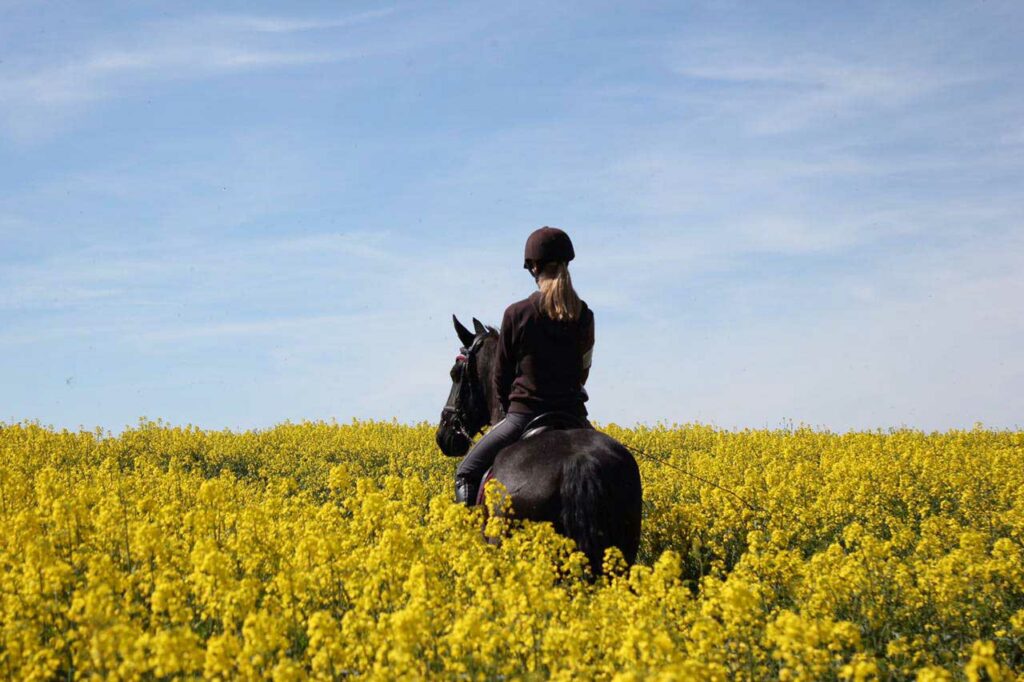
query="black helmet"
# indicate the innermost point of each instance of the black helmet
(548, 244)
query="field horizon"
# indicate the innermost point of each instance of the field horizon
(785, 426)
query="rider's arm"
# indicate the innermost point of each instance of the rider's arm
(587, 348)
(505, 363)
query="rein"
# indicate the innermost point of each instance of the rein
(471, 382)
(663, 461)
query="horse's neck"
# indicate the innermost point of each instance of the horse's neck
(490, 350)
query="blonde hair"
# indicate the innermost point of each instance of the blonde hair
(558, 300)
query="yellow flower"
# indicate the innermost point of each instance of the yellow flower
(324, 550)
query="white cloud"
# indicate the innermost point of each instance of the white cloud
(114, 274)
(37, 99)
(935, 345)
(280, 24)
(291, 327)
(1014, 137)
(780, 86)
(104, 74)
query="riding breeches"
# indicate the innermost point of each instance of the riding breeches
(475, 464)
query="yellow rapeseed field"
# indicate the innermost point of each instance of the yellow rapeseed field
(323, 551)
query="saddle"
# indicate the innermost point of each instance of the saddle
(545, 421)
(554, 421)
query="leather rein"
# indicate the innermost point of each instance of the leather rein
(469, 381)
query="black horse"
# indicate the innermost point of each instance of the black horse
(581, 480)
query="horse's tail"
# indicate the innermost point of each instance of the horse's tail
(584, 514)
(601, 501)
(599, 494)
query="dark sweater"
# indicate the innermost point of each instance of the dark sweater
(540, 363)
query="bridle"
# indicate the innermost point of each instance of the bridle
(467, 390)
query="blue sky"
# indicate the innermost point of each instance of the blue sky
(232, 214)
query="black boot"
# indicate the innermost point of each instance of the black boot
(465, 491)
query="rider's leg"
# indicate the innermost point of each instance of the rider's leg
(475, 464)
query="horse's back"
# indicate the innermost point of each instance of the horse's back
(537, 463)
(583, 481)
(565, 442)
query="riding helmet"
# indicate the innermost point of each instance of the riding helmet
(548, 244)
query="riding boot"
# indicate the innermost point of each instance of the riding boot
(465, 491)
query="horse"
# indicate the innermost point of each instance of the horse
(581, 480)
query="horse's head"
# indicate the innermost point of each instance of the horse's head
(470, 403)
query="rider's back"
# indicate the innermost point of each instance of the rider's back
(539, 365)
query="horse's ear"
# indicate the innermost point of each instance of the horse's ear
(478, 327)
(465, 336)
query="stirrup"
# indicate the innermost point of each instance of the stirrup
(465, 491)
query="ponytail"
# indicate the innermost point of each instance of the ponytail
(558, 300)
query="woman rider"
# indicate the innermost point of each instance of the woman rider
(543, 357)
